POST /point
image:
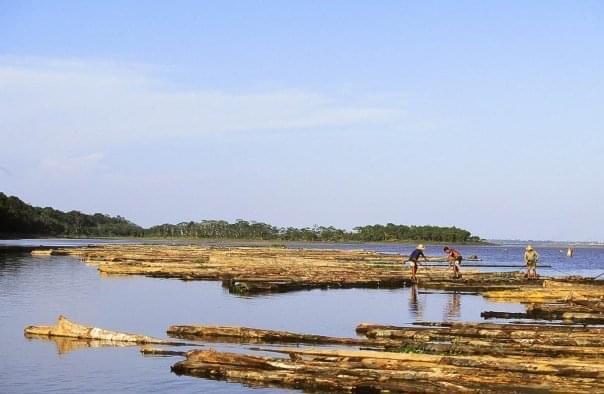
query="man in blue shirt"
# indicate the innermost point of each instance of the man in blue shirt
(414, 260)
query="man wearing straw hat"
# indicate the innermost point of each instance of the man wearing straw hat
(531, 257)
(414, 260)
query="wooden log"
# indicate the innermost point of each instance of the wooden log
(255, 335)
(69, 329)
(41, 252)
(150, 351)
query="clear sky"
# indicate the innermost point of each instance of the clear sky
(487, 115)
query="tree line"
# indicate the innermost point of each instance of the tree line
(18, 218)
(244, 230)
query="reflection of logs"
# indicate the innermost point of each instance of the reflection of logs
(69, 329)
(370, 371)
(69, 344)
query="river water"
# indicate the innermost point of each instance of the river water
(35, 290)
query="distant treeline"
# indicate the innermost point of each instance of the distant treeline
(19, 218)
(241, 229)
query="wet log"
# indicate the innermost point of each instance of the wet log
(149, 351)
(567, 312)
(69, 329)
(255, 335)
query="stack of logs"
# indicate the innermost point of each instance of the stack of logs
(431, 359)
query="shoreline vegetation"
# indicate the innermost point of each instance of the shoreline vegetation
(18, 219)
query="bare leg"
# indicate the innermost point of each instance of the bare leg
(456, 270)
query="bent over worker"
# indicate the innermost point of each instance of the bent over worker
(531, 258)
(414, 260)
(454, 258)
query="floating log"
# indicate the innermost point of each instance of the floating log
(69, 329)
(41, 252)
(567, 312)
(149, 351)
(255, 335)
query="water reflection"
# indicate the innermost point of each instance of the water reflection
(452, 310)
(66, 345)
(416, 307)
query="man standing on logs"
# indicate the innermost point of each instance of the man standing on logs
(454, 258)
(531, 257)
(414, 260)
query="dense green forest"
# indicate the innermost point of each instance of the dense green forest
(241, 229)
(19, 218)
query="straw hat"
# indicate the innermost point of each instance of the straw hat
(421, 247)
(529, 247)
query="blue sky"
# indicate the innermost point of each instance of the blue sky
(483, 115)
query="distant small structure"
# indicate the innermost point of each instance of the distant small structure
(570, 252)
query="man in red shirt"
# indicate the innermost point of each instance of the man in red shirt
(454, 258)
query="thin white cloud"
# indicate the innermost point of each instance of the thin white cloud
(89, 105)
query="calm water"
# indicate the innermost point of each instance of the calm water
(37, 290)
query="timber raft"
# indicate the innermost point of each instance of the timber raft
(257, 270)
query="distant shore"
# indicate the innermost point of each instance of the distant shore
(5, 237)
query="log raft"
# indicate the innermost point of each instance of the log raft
(374, 372)
(486, 358)
(257, 270)
(261, 270)
(468, 339)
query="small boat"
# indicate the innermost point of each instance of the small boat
(570, 252)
